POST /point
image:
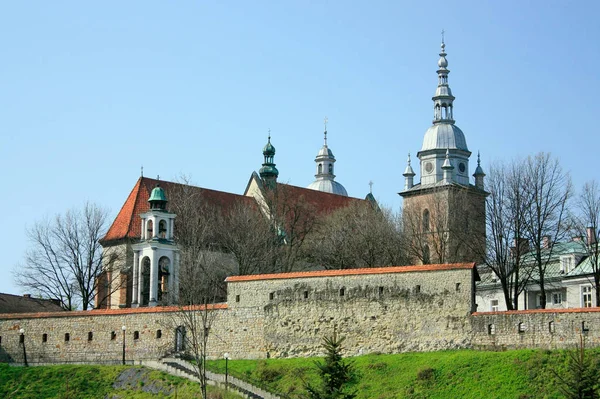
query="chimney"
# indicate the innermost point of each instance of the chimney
(26, 295)
(591, 235)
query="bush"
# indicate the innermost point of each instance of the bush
(425, 374)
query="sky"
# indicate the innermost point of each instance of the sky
(92, 91)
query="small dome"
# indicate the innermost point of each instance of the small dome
(442, 136)
(268, 170)
(269, 149)
(328, 186)
(325, 152)
(158, 194)
(443, 63)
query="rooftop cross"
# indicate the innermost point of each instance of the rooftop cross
(142, 170)
(443, 31)
(325, 122)
(371, 186)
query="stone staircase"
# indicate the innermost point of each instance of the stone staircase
(181, 368)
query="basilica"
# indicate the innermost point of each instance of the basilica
(146, 270)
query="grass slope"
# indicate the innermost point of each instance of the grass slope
(83, 382)
(520, 374)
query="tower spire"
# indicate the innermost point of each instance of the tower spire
(442, 101)
(269, 172)
(408, 174)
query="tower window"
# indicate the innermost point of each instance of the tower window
(330, 168)
(162, 229)
(149, 229)
(320, 168)
(426, 220)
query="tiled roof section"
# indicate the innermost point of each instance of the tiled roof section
(534, 311)
(113, 312)
(322, 202)
(127, 223)
(352, 272)
(20, 304)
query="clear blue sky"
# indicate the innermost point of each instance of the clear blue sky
(90, 91)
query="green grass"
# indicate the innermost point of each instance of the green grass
(520, 374)
(82, 382)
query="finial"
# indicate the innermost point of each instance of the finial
(157, 177)
(478, 158)
(408, 160)
(142, 170)
(443, 31)
(371, 186)
(325, 134)
(269, 135)
(447, 153)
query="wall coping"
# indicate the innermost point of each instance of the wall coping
(111, 312)
(351, 272)
(538, 311)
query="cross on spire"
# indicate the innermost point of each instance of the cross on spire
(142, 170)
(269, 134)
(371, 186)
(443, 31)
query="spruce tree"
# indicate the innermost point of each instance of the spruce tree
(335, 373)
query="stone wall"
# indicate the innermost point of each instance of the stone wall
(544, 329)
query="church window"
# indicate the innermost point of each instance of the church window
(67, 337)
(320, 168)
(426, 220)
(426, 256)
(491, 329)
(136, 335)
(162, 229)
(330, 168)
(44, 337)
(551, 327)
(90, 336)
(158, 334)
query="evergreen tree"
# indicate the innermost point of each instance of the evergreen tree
(336, 373)
(580, 381)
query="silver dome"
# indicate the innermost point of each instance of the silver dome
(325, 152)
(444, 135)
(328, 186)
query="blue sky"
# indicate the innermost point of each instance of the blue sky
(91, 91)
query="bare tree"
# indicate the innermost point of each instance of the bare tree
(586, 225)
(65, 257)
(360, 235)
(548, 190)
(505, 221)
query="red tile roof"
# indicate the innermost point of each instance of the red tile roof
(351, 272)
(111, 312)
(321, 201)
(127, 224)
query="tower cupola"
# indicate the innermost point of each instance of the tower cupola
(269, 172)
(479, 174)
(408, 174)
(158, 199)
(325, 177)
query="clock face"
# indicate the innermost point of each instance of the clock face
(462, 167)
(428, 167)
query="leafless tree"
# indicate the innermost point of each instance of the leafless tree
(586, 225)
(360, 235)
(505, 221)
(65, 257)
(547, 189)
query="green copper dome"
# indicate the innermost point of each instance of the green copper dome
(269, 149)
(158, 194)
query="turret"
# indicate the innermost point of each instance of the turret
(269, 172)
(409, 175)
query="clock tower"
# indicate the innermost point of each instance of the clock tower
(444, 214)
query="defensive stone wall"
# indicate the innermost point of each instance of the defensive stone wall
(541, 328)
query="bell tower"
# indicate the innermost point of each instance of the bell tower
(156, 257)
(444, 214)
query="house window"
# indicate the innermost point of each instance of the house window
(158, 334)
(136, 335)
(557, 298)
(90, 336)
(494, 305)
(491, 329)
(44, 337)
(67, 337)
(551, 327)
(586, 296)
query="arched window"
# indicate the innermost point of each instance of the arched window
(149, 229)
(145, 281)
(330, 168)
(426, 220)
(320, 169)
(164, 264)
(162, 229)
(426, 256)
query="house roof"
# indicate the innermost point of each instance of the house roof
(24, 304)
(352, 272)
(322, 202)
(127, 223)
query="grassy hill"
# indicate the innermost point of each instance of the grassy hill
(94, 382)
(521, 374)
